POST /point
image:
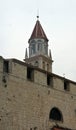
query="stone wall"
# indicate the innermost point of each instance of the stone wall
(26, 104)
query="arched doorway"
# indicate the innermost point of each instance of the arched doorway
(55, 114)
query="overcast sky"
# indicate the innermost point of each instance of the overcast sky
(58, 19)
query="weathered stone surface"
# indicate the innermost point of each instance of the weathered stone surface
(26, 105)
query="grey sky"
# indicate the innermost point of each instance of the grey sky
(58, 19)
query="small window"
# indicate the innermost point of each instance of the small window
(6, 66)
(30, 74)
(43, 65)
(32, 41)
(36, 63)
(39, 46)
(66, 85)
(35, 128)
(47, 67)
(49, 80)
(33, 49)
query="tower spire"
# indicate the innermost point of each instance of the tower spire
(38, 32)
(38, 48)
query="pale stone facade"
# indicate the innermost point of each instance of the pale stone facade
(25, 103)
(35, 99)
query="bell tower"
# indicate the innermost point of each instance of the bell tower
(38, 49)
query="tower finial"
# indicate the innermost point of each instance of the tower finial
(37, 17)
(37, 14)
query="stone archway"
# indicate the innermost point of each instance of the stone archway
(55, 114)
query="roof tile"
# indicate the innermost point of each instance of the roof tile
(38, 32)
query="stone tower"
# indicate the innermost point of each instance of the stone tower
(34, 99)
(38, 49)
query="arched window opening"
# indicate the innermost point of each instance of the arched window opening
(39, 47)
(36, 63)
(47, 67)
(55, 115)
(33, 49)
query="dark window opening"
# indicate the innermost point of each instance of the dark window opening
(43, 65)
(66, 85)
(36, 63)
(56, 115)
(35, 128)
(49, 80)
(30, 73)
(33, 49)
(6, 66)
(39, 46)
(47, 67)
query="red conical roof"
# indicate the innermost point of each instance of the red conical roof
(38, 32)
